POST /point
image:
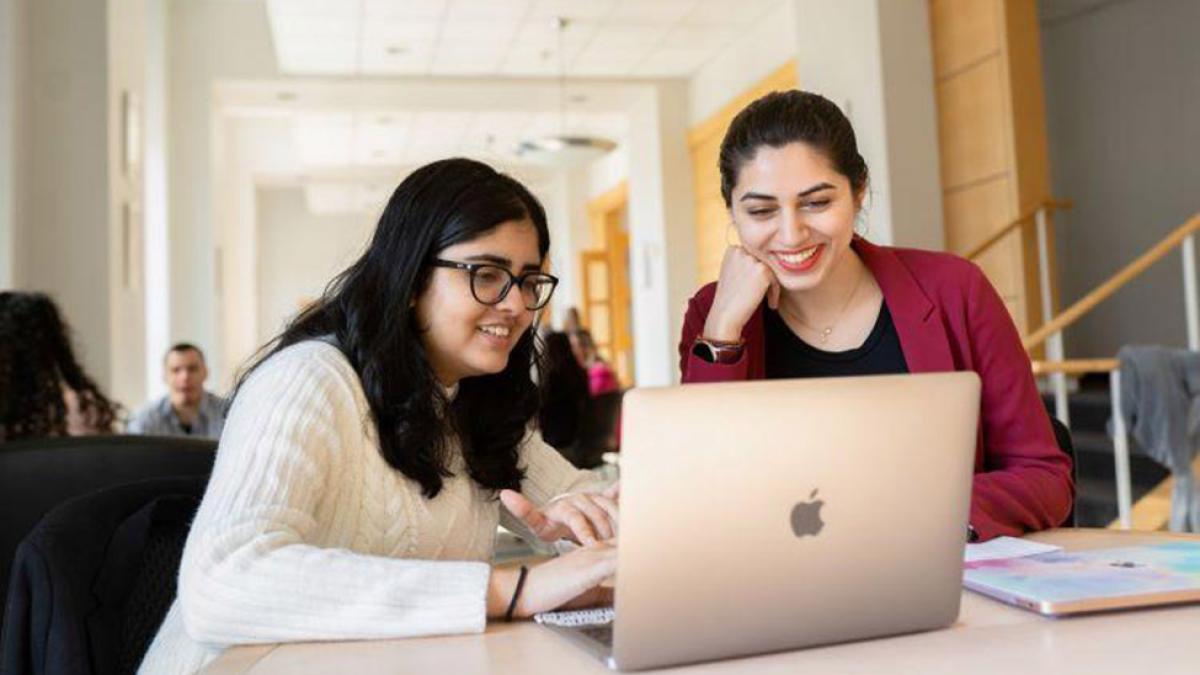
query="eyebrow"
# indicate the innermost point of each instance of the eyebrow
(499, 260)
(758, 195)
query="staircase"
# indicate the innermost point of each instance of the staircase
(1096, 498)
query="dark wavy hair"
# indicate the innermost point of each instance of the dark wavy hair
(368, 309)
(784, 117)
(36, 360)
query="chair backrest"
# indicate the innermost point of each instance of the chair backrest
(599, 430)
(94, 579)
(37, 475)
(1062, 435)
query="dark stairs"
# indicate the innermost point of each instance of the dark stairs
(1095, 475)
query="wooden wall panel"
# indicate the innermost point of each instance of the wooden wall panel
(969, 31)
(991, 129)
(972, 125)
(704, 145)
(977, 211)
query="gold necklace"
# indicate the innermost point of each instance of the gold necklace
(828, 330)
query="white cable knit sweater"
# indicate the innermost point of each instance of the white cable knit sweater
(306, 533)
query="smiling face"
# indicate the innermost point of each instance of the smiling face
(462, 336)
(794, 211)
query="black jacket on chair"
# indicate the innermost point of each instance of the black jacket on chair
(94, 579)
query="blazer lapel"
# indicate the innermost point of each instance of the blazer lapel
(922, 334)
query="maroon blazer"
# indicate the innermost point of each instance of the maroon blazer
(948, 318)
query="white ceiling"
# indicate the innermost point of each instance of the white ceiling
(518, 38)
(393, 138)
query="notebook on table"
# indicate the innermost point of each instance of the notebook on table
(1064, 583)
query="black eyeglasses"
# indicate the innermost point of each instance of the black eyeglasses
(490, 283)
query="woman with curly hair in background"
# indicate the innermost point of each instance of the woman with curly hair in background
(43, 389)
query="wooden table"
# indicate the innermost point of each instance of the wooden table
(987, 638)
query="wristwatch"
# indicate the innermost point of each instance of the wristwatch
(718, 351)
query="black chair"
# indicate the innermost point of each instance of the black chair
(1063, 436)
(93, 581)
(599, 431)
(37, 475)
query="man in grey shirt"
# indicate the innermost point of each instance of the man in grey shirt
(187, 409)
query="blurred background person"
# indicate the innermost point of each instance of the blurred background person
(601, 377)
(187, 409)
(564, 392)
(44, 391)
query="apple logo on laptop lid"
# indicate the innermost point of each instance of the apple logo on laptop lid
(806, 516)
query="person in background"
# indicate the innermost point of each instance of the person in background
(187, 409)
(564, 392)
(804, 296)
(44, 391)
(374, 446)
(601, 377)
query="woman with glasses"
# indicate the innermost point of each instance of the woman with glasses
(359, 480)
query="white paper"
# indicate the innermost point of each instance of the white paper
(1005, 547)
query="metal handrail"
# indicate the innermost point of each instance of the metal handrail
(1023, 219)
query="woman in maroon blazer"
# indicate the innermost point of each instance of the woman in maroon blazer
(803, 296)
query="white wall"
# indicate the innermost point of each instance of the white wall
(62, 164)
(299, 252)
(11, 48)
(126, 199)
(765, 45)
(873, 59)
(155, 240)
(209, 41)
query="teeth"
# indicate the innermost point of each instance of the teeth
(797, 258)
(498, 331)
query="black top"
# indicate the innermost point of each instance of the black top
(789, 356)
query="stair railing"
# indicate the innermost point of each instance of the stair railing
(1058, 368)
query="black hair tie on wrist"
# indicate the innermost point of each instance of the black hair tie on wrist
(512, 604)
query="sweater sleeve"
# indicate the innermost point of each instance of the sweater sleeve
(1026, 479)
(249, 573)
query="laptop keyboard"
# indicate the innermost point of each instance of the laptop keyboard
(596, 623)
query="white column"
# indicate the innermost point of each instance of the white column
(873, 58)
(662, 251)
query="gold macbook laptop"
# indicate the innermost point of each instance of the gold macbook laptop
(774, 515)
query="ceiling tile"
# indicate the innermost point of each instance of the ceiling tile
(377, 10)
(710, 38)
(670, 62)
(656, 12)
(574, 10)
(487, 10)
(725, 13)
(400, 30)
(323, 139)
(500, 30)
(410, 58)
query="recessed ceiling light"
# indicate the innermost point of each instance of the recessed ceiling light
(396, 50)
(286, 96)
(577, 98)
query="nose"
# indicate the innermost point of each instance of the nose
(793, 231)
(514, 302)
